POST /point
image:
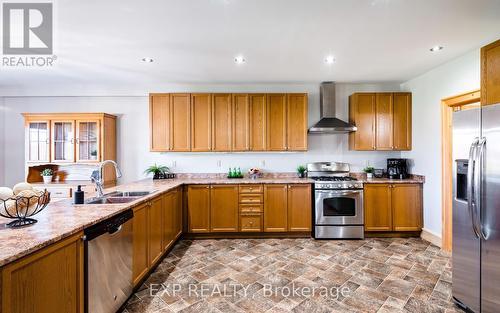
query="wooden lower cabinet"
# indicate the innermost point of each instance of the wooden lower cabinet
(275, 208)
(393, 207)
(378, 208)
(140, 242)
(198, 198)
(177, 212)
(50, 280)
(224, 208)
(299, 207)
(407, 207)
(155, 230)
(169, 218)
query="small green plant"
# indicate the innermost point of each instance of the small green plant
(47, 172)
(301, 169)
(157, 169)
(369, 170)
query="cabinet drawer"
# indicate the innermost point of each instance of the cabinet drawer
(251, 198)
(57, 192)
(251, 188)
(251, 222)
(251, 208)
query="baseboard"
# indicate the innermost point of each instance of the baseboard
(431, 237)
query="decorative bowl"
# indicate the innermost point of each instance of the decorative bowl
(20, 208)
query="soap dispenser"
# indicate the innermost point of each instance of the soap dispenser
(79, 195)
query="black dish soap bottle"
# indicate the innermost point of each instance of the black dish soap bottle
(79, 195)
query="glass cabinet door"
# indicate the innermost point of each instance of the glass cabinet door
(38, 141)
(87, 141)
(63, 148)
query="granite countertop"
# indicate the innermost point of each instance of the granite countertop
(62, 219)
(413, 179)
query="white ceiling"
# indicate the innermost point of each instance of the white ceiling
(101, 43)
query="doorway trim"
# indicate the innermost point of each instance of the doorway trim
(449, 105)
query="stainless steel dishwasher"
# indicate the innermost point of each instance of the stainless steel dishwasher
(108, 266)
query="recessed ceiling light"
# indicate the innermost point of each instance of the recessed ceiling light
(147, 60)
(436, 48)
(239, 59)
(330, 59)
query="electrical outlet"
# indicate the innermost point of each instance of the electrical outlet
(174, 163)
(219, 163)
(263, 163)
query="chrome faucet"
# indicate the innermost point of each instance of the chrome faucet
(97, 174)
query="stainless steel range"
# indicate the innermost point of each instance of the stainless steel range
(338, 209)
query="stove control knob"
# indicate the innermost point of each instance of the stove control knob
(339, 185)
(350, 186)
(329, 186)
(356, 185)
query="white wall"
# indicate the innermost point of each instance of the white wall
(133, 133)
(455, 77)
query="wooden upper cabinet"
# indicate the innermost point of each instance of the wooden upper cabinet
(221, 122)
(402, 124)
(201, 122)
(258, 112)
(297, 122)
(198, 198)
(88, 146)
(49, 280)
(180, 122)
(490, 73)
(276, 208)
(299, 207)
(378, 207)
(38, 141)
(276, 122)
(224, 208)
(407, 207)
(240, 122)
(362, 115)
(159, 114)
(63, 141)
(383, 121)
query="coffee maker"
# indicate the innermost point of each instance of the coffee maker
(397, 168)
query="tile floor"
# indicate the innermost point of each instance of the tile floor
(299, 275)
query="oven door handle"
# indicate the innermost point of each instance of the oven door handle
(339, 192)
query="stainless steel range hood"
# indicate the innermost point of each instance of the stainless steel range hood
(329, 124)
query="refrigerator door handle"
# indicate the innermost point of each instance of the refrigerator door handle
(478, 172)
(470, 185)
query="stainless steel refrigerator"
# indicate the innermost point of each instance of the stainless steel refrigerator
(476, 209)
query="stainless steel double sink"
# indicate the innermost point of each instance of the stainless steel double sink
(118, 197)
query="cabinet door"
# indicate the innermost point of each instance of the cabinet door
(178, 209)
(276, 122)
(402, 121)
(63, 142)
(221, 123)
(201, 122)
(199, 208)
(38, 141)
(275, 208)
(241, 122)
(155, 230)
(299, 207)
(296, 122)
(378, 208)
(224, 208)
(258, 112)
(159, 119)
(140, 240)
(169, 215)
(490, 73)
(88, 141)
(362, 115)
(49, 280)
(180, 122)
(383, 121)
(407, 207)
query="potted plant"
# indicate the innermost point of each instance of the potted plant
(157, 170)
(301, 171)
(369, 171)
(47, 175)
